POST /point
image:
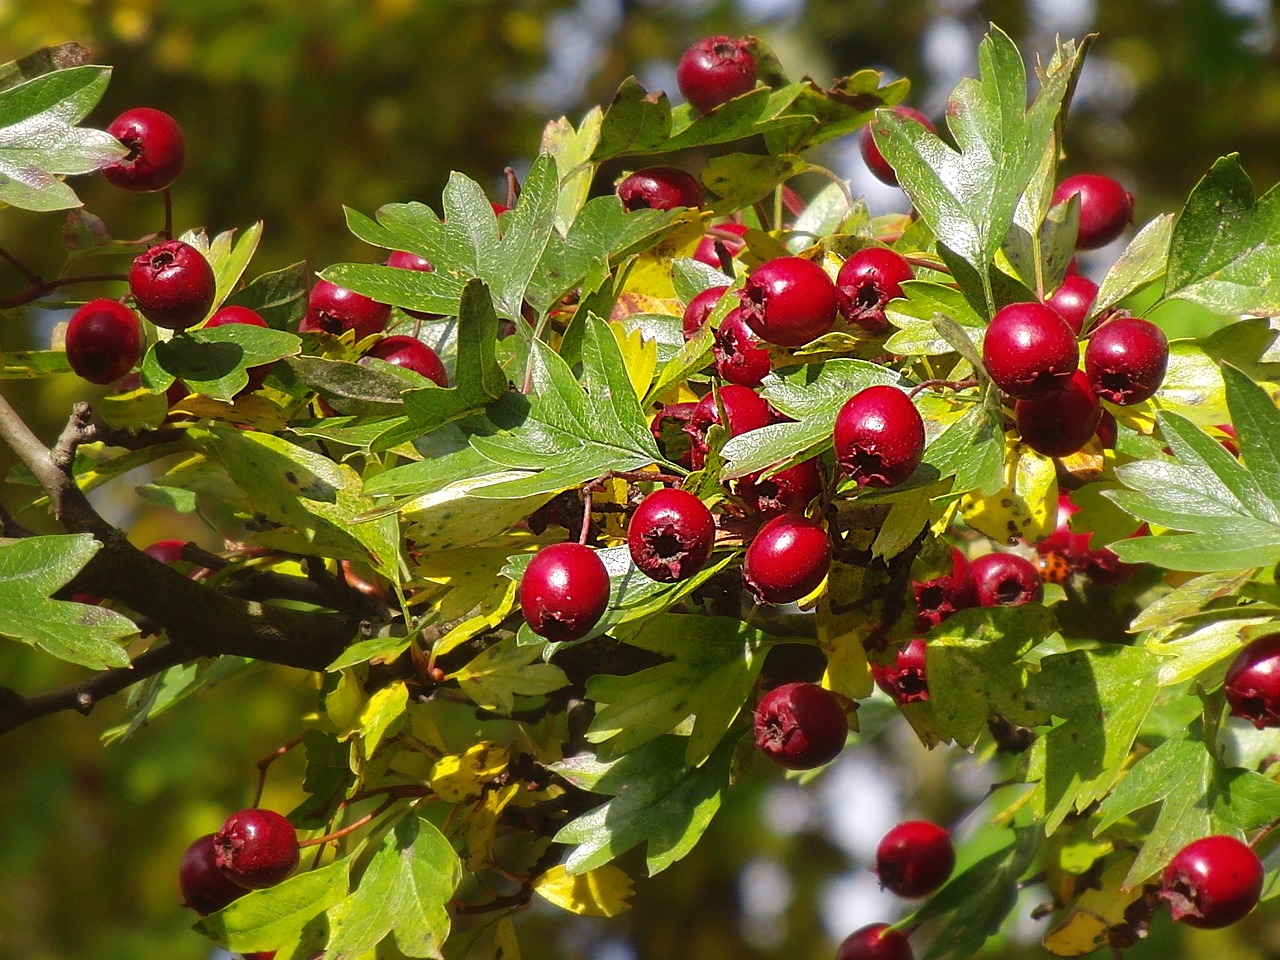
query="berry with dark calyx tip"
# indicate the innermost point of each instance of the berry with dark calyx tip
(1073, 300)
(103, 341)
(156, 150)
(564, 591)
(204, 887)
(905, 679)
(789, 301)
(879, 437)
(670, 429)
(1253, 682)
(334, 309)
(867, 281)
(871, 154)
(1029, 350)
(787, 491)
(1061, 423)
(256, 848)
(1212, 882)
(172, 284)
(715, 70)
(404, 260)
(740, 357)
(914, 859)
(671, 535)
(249, 318)
(166, 551)
(660, 188)
(1126, 359)
(800, 725)
(1106, 208)
(876, 941)
(745, 409)
(723, 237)
(787, 560)
(412, 354)
(1006, 580)
(699, 309)
(939, 598)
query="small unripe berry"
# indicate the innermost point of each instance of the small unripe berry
(564, 591)
(256, 848)
(789, 301)
(740, 357)
(915, 858)
(1029, 350)
(787, 560)
(172, 284)
(156, 150)
(1126, 359)
(1253, 682)
(412, 354)
(1061, 423)
(1073, 300)
(876, 941)
(1212, 882)
(744, 408)
(800, 726)
(787, 491)
(871, 154)
(1006, 580)
(204, 887)
(939, 598)
(660, 188)
(867, 281)
(671, 535)
(905, 680)
(103, 341)
(334, 309)
(699, 309)
(249, 318)
(714, 71)
(879, 437)
(1106, 208)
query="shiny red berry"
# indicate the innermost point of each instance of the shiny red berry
(867, 281)
(256, 848)
(172, 284)
(334, 309)
(1253, 682)
(789, 301)
(871, 154)
(1061, 423)
(404, 260)
(800, 725)
(1073, 300)
(1212, 882)
(166, 551)
(204, 887)
(156, 150)
(740, 356)
(787, 559)
(879, 437)
(876, 941)
(249, 318)
(1106, 208)
(905, 679)
(744, 408)
(1029, 350)
(715, 70)
(564, 591)
(787, 491)
(940, 597)
(412, 354)
(915, 858)
(1006, 580)
(699, 309)
(1126, 359)
(724, 237)
(660, 188)
(671, 535)
(103, 341)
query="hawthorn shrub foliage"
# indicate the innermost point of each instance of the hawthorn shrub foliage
(378, 524)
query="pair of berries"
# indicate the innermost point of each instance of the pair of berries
(253, 850)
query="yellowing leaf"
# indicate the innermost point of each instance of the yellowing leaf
(344, 705)
(383, 709)
(1025, 507)
(651, 273)
(602, 892)
(492, 611)
(1085, 928)
(480, 824)
(461, 777)
(639, 355)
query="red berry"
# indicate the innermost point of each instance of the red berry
(699, 309)
(745, 409)
(787, 560)
(670, 428)
(1073, 300)
(671, 535)
(256, 848)
(871, 154)
(166, 551)
(915, 858)
(740, 357)
(564, 591)
(1253, 682)
(412, 354)
(334, 309)
(1029, 350)
(1061, 423)
(1126, 359)
(876, 941)
(879, 437)
(404, 260)
(712, 243)
(103, 341)
(940, 597)
(800, 726)
(1106, 208)
(660, 188)
(156, 150)
(905, 679)
(172, 284)
(789, 301)
(1212, 882)
(1064, 542)
(715, 70)
(867, 281)
(249, 318)
(204, 887)
(787, 491)
(1006, 580)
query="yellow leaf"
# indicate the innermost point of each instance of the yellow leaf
(1085, 928)
(651, 272)
(383, 709)
(597, 893)
(480, 824)
(344, 705)
(1027, 505)
(639, 355)
(492, 612)
(461, 777)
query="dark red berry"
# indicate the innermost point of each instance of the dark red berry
(412, 354)
(404, 260)
(103, 341)
(867, 281)
(724, 237)
(156, 150)
(876, 941)
(787, 491)
(871, 154)
(915, 858)
(564, 591)
(660, 188)
(740, 357)
(745, 409)
(334, 309)
(172, 284)
(905, 680)
(715, 70)
(1073, 300)
(699, 309)
(940, 597)
(671, 535)
(789, 301)
(1253, 682)
(1126, 359)
(256, 848)
(1061, 423)
(879, 437)
(800, 725)
(1006, 580)
(787, 559)
(1106, 208)
(1029, 350)
(1107, 430)
(670, 429)
(1212, 882)
(249, 318)
(166, 551)
(204, 887)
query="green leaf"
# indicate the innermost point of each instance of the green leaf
(1143, 262)
(1257, 423)
(279, 297)
(914, 314)
(812, 115)
(572, 149)
(265, 919)
(741, 179)
(505, 671)
(63, 56)
(972, 448)
(229, 257)
(215, 361)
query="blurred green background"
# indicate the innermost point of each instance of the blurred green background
(293, 108)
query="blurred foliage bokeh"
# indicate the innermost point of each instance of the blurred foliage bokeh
(293, 108)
